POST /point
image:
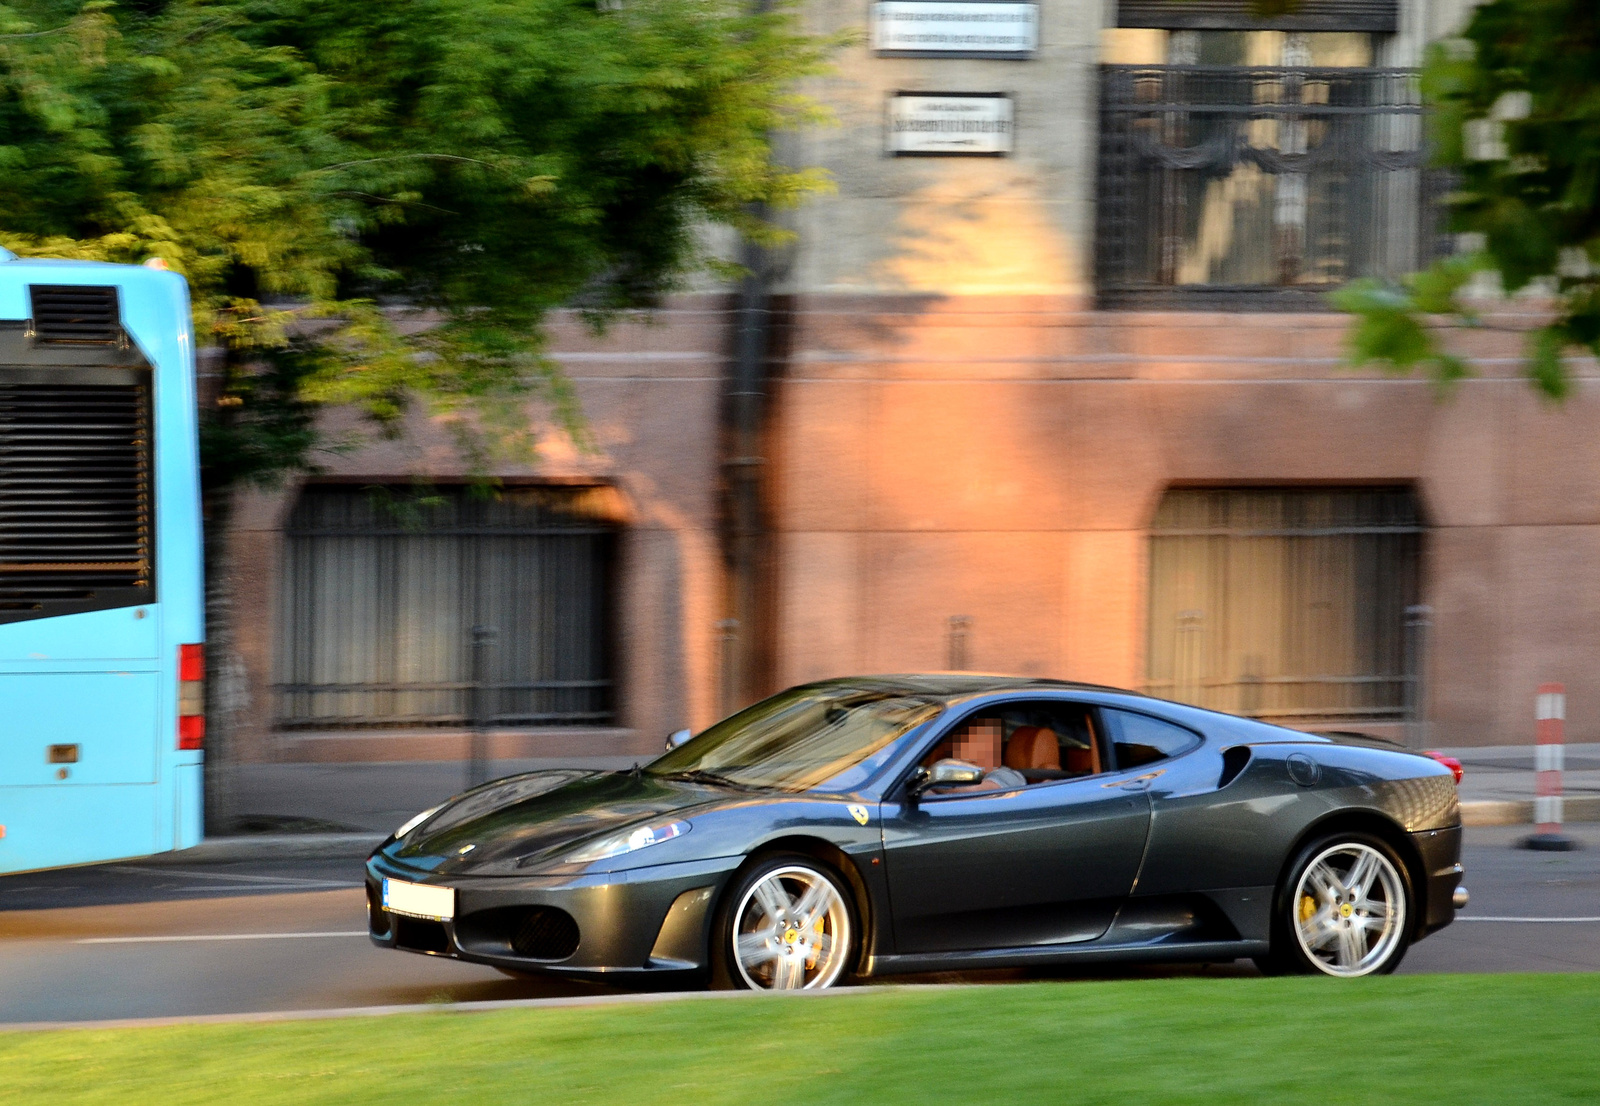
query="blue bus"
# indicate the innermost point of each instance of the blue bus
(101, 606)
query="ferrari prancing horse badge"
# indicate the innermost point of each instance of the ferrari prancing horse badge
(859, 813)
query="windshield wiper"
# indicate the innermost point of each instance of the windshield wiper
(700, 775)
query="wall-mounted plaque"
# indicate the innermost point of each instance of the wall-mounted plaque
(976, 124)
(955, 28)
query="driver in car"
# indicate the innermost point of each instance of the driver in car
(978, 741)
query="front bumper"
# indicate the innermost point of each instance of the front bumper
(653, 920)
(1440, 851)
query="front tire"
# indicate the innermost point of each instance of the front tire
(1345, 910)
(787, 924)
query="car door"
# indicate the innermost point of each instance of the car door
(1044, 864)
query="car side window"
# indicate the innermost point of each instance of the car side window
(1140, 739)
(1023, 744)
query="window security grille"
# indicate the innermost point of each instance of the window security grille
(381, 589)
(1284, 604)
(76, 314)
(1258, 187)
(75, 498)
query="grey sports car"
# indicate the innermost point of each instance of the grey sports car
(859, 827)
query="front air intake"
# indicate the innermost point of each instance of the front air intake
(420, 935)
(545, 933)
(76, 314)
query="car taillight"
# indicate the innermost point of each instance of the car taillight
(191, 696)
(1449, 762)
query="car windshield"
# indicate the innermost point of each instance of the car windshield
(801, 740)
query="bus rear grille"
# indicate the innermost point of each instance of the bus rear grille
(84, 314)
(75, 493)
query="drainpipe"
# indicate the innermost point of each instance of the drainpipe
(746, 628)
(745, 537)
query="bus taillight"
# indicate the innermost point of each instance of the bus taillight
(191, 696)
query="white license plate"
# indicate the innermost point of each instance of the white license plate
(419, 900)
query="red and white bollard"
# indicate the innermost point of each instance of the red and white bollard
(1550, 717)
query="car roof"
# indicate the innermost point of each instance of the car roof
(951, 689)
(951, 686)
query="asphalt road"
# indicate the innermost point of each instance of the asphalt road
(139, 940)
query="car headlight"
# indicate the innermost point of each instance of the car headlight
(629, 841)
(413, 823)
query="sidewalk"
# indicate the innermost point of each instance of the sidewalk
(344, 809)
(1497, 785)
(1504, 773)
(368, 798)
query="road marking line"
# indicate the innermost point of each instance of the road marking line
(249, 888)
(1488, 918)
(219, 937)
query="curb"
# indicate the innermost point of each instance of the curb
(624, 999)
(1511, 812)
(278, 846)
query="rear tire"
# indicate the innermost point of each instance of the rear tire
(786, 923)
(1346, 909)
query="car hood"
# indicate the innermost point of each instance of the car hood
(511, 823)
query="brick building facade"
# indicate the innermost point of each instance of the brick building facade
(1074, 410)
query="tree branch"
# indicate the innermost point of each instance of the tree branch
(387, 200)
(407, 157)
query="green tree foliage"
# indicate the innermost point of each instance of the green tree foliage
(1515, 113)
(319, 168)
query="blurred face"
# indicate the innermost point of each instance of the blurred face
(978, 741)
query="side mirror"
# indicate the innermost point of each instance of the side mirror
(676, 738)
(945, 773)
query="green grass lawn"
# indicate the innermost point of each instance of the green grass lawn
(1444, 1039)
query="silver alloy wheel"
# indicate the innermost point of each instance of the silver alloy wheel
(1349, 910)
(791, 931)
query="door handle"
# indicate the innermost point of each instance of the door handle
(1139, 783)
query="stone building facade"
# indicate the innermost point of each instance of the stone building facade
(1075, 409)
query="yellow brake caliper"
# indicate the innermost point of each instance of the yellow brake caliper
(1308, 907)
(811, 961)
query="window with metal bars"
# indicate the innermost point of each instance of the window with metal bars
(1285, 604)
(76, 502)
(1306, 15)
(1257, 170)
(382, 587)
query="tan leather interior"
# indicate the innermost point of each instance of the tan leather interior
(980, 741)
(1033, 747)
(1082, 760)
(1087, 760)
